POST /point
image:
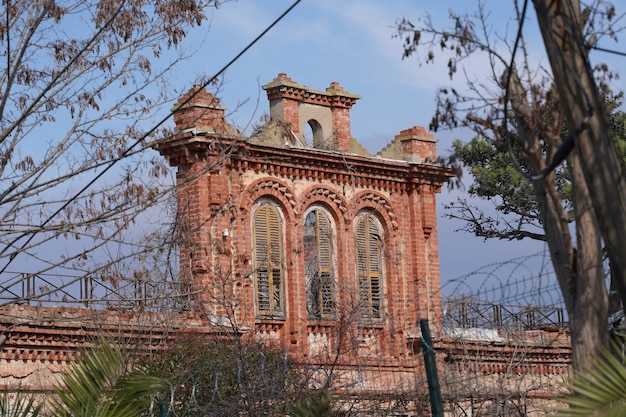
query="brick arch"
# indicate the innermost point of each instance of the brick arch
(380, 204)
(334, 202)
(277, 189)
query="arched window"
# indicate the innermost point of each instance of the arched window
(317, 134)
(369, 247)
(318, 264)
(268, 261)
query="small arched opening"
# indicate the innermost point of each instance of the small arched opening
(315, 133)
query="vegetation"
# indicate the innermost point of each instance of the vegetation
(67, 173)
(20, 404)
(319, 404)
(517, 115)
(104, 382)
(599, 390)
(215, 376)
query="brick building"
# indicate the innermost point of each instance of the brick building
(298, 235)
(301, 236)
(309, 230)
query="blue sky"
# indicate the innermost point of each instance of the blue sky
(351, 41)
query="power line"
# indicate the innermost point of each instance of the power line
(610, 51)
(507, 90)
(141, 139)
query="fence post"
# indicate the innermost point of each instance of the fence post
(164, 409)
(434, 390)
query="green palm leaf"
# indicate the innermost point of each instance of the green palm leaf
(599, 391)
(318, 404)
(101, 384)
(19, 405)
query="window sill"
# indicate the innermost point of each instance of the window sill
(270, 319)
(321, 321)
(372, 324)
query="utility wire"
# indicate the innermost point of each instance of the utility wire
(610, 51)
(569, 142)
(145, 135)
(505, 122)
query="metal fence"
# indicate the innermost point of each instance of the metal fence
(471, 313)
(66, 290)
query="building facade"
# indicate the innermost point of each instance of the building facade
(298, 236)
(302, 236)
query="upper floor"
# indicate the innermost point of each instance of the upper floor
(311, 232)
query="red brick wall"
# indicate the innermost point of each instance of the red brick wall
(220, 179)
(216, 198)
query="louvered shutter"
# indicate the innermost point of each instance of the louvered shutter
(268, 260)
(374, 249)
(368, 259)
(318, 260)
(311, 265)
(325, 256)
(362, 266)
(276, 254)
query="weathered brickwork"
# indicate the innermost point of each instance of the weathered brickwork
(364, 316)
(220, 183)
(38, 343)
(398, 186)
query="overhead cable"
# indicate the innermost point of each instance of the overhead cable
(142, 138)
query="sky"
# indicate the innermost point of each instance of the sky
(352, 42)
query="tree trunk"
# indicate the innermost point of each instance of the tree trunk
(588, 318)
(560, 25)
(559, 240)
(579, 273)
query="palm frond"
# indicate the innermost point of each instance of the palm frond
(101, 384)
(600, 390)
(19, 404)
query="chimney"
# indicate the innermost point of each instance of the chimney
(417, 145)
(198, 110)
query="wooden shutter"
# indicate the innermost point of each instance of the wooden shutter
(325, 256)
(268, 251)
(368, 263)
(318, 258)
(375, 249)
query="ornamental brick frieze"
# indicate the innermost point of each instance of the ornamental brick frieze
(316, 165)
(327, 195)
(489, 357)
(58, 333)
(283, 87)
(369, 199)
(271, 187)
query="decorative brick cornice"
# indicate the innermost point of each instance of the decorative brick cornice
(380, 201)
(334, 96)
(328, 193)
(338, 167)
(56, 334)
(522, 355)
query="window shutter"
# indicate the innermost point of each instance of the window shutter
(268, 260)
(374, 245)
(368, 254)
(318, 259)
(325, 256)
(324, 246)
(361, 248)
